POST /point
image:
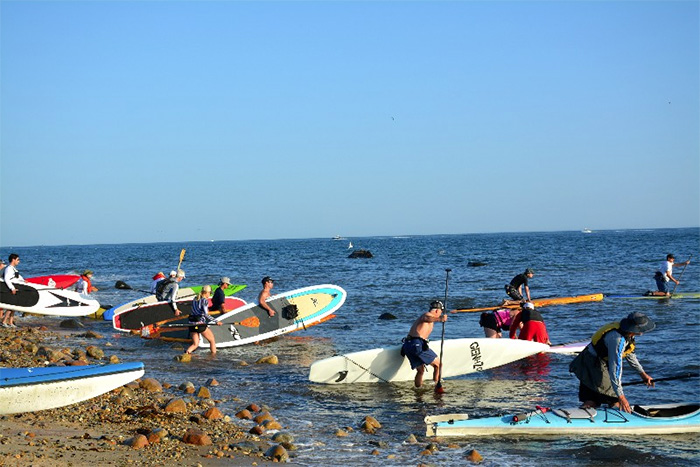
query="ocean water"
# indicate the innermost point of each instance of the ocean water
(404, 275)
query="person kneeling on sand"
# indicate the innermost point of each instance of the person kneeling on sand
(415, 345)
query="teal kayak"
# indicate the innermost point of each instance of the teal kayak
(644, 420)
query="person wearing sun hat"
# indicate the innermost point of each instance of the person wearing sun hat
(599, 366)
(84, 285)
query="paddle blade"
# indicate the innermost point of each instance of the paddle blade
(150, 332)
(252, 322)
(439, 389)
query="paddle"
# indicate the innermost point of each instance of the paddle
(154, 331)
(252, 322)
(438, 387)
(681, 275)
(690, 374)
(182, 256)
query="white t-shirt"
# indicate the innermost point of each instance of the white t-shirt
(667, 269)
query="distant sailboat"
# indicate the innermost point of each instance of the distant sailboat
(349, 245)
(587, 230)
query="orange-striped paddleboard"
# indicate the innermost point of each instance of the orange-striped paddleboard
(540, 302)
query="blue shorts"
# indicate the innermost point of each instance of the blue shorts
(418, 352)
(661, 284)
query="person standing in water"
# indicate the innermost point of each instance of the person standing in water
(415, 344)
(200, 319)
(264, 295)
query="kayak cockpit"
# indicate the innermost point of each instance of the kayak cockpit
(666, 410)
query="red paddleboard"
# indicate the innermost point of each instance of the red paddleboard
(60, 281)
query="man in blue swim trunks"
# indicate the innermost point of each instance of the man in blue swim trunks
(415, 345)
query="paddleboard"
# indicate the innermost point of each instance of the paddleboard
(294, 310)
(32, 389)
(137, 317)
(60, 281)
(656, 297)
(460, 357)
(540, 302)
(657, 419)
(182, 293)
(44, 300)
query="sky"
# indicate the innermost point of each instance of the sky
(172, 121)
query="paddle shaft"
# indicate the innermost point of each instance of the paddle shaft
(681, 275)
(438, 387)
(687, 375)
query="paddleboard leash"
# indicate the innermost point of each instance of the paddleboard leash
(365, 369)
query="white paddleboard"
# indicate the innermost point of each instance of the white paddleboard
(45, 300)
(460, 357)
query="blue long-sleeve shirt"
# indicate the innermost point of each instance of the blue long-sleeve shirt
(616, 343)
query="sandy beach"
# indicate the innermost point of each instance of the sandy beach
(145, 422)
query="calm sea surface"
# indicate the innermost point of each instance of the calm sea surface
(405, 274)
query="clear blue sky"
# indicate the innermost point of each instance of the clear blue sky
(184, 121)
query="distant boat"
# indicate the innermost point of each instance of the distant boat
(338, 237)
(350, 245)
(587, 231)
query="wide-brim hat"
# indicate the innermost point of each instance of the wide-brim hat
(637, 322)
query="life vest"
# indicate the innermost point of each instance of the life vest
(599, 343)
(89, 284)
(160, 288)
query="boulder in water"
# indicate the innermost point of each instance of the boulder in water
(386, 316)
(360, 254)
(122, 285)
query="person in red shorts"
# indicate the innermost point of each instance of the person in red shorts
(533, 328)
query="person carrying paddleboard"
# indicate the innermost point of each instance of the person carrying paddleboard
(219, 298)
(267, 283)
(201, 319)
(515, 289)
(599, 366)
(167, 289)
(11, 274)
(415, 344)
(665, 275)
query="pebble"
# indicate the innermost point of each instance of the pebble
(270, 359)
(474, 456)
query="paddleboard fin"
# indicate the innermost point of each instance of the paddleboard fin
(234, 332)
(343, 374)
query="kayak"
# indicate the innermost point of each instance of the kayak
(569, 348)
(461, 357)
(540, 302)
(182, 293)
(31, 389)
(45, 300)
(135, 318)
(644, 420)
(656, 297)
(60, 281)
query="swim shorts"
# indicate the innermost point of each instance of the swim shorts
(418, 352)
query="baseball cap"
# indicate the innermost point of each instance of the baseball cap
(225, 280)
(437, 304)
(267, 279)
